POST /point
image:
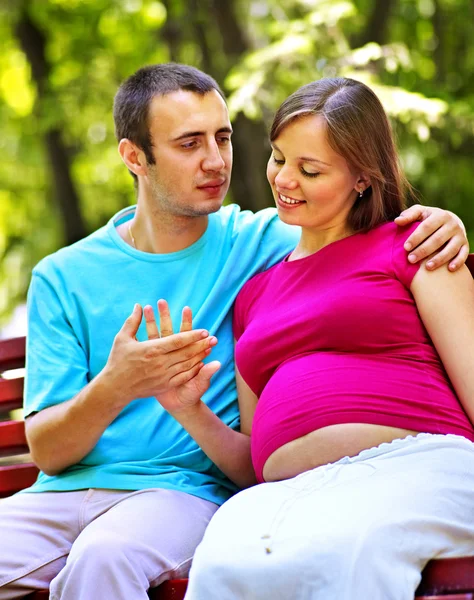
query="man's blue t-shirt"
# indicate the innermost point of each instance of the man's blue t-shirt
(79, 299)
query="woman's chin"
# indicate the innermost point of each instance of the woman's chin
(289, 218)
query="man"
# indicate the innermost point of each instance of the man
(125, 494)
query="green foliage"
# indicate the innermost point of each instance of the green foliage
(417, 54)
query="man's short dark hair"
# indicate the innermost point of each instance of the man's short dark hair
(132, 101)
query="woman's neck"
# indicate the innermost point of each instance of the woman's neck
(313, 239)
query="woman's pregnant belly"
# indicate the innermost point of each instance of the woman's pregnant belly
(317, 408)
(327, 445)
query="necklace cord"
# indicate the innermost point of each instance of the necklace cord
(131, 236)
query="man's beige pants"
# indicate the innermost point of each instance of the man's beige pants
(98, 544)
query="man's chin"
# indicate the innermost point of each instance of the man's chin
(207, 207)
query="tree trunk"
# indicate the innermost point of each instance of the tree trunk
(171, 32)
(249, 185)
(438, 53)
(33, 43)
(377, 24)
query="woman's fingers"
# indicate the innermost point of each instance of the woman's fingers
(165, 322)
(166, 326)
(186, 319)
(152, 330)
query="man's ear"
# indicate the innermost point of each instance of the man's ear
(133, 157)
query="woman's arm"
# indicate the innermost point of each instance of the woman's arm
(228, 449)
(445, 302)
(247, 403)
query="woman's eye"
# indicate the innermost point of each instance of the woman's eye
(278, 161)
(309, 173)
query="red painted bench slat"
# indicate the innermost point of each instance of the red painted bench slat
(12, 434)
(446, 576)
(11, 394)
(12, 353)
(16, 477)
(174, 589)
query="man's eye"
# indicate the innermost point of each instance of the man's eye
(224, 140)
(189, 144)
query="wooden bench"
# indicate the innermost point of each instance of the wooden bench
(446, 579)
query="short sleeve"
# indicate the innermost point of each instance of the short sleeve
(245, 301)
(240, 312)
(404, 270)
(56, 365)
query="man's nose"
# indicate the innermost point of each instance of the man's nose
(213, 161)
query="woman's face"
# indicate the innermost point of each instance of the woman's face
(312, 185)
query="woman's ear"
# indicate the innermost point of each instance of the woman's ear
(132, 156)
(363, 182)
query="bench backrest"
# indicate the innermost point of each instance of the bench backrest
(16, 468)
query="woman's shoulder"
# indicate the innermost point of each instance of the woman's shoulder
(390, 230)
(387, 238)
(257, 283)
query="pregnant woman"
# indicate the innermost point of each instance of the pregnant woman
(356, 381)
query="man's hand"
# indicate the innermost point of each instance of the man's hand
(183, 396)
(440, 229)
(142, 369)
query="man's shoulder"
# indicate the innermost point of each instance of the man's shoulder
(85, 251)
(246, 222)
(234, 215)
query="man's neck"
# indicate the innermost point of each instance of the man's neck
(158, 233)
(163, 234)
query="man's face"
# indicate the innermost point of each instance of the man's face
(190, 135)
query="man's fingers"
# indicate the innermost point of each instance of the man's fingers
(450, 251)
(132, 323)
(409, 215)
(178, 341)
(186, 365)
(166, 326)
(433, 225)
(460, 259)
(435, 243)
(150, 322)
(186, 319)
(192, 350)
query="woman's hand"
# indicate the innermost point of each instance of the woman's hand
(191, 383)
(440, 231)
(228, 449)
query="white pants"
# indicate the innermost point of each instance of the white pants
(362, 528)
(98, 544)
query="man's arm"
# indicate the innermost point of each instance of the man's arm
(61, 435)
(440, 232)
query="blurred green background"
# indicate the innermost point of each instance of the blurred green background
(62, 60)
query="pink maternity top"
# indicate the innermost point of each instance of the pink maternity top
(336, 338)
